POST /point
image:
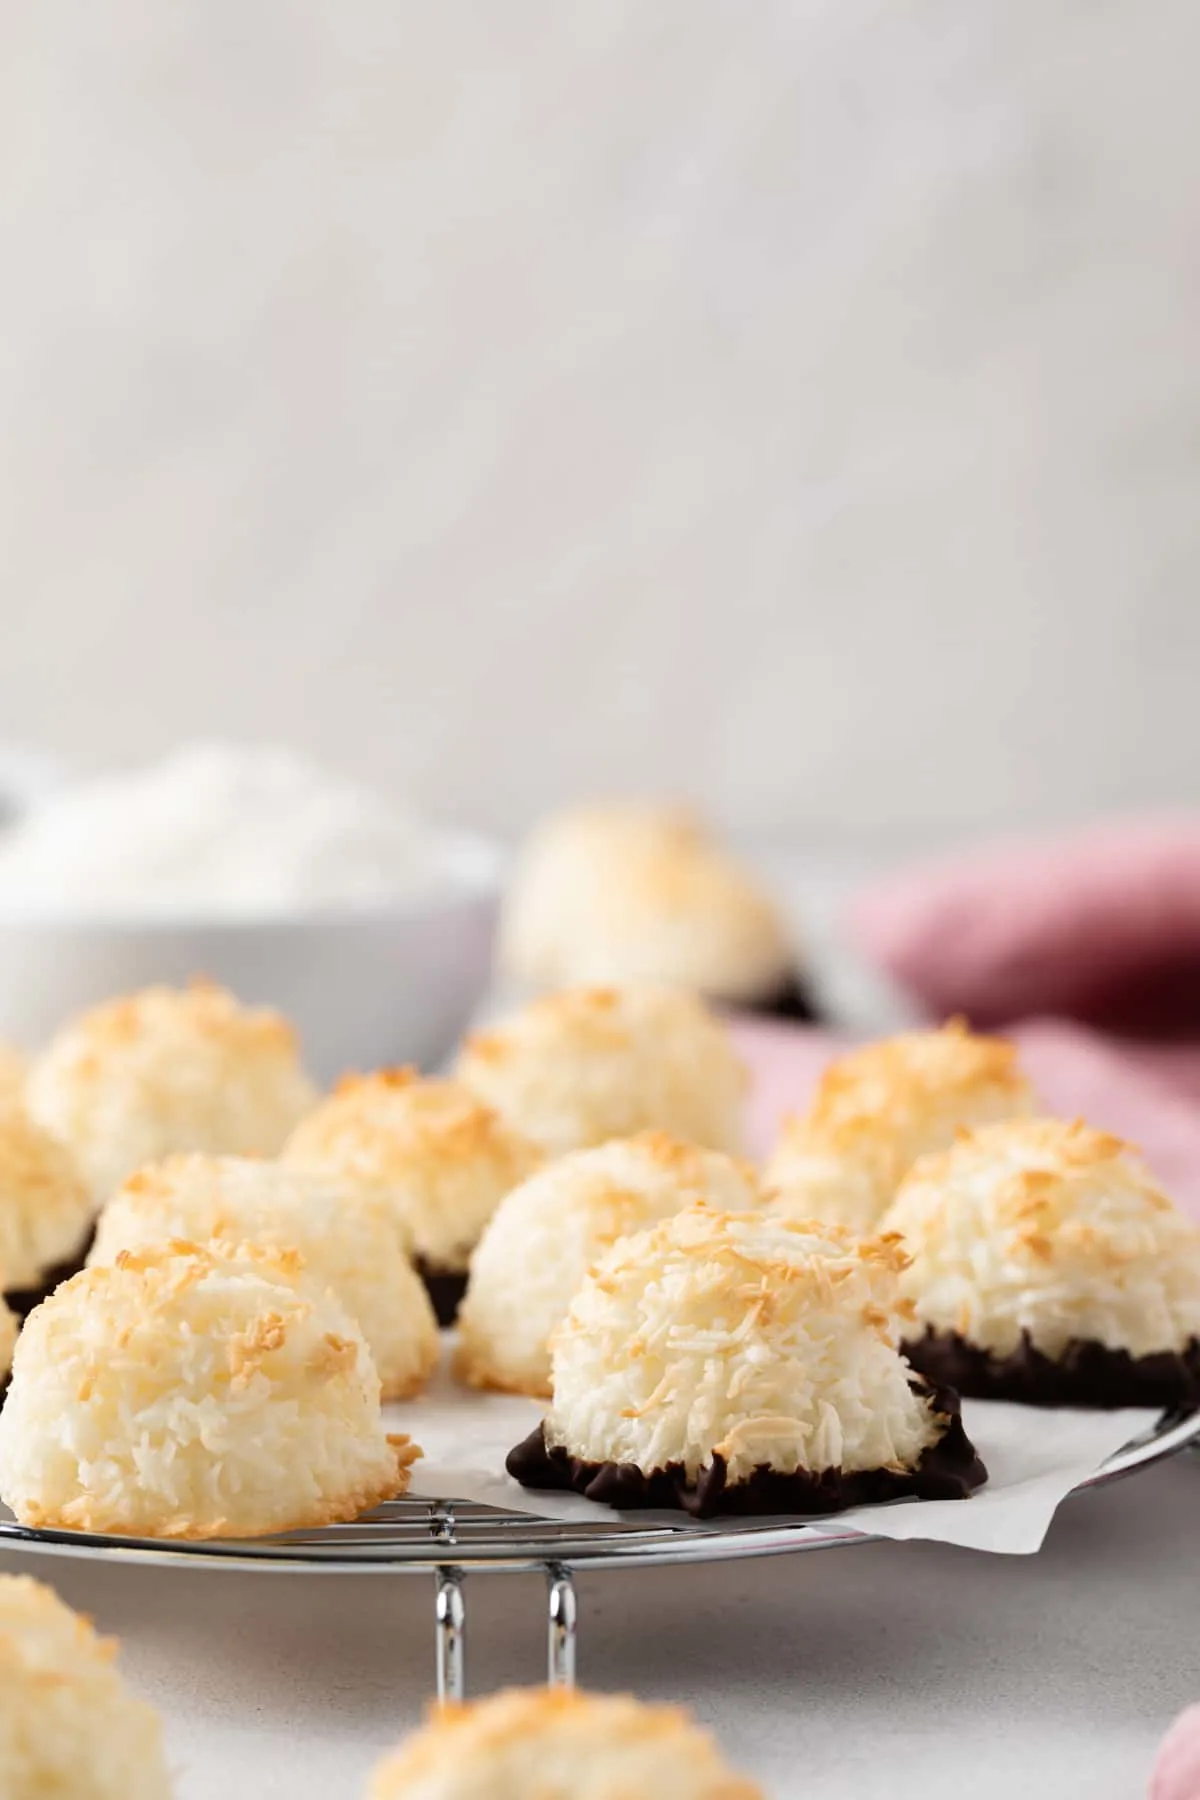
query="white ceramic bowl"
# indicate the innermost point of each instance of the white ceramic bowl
(366, 985)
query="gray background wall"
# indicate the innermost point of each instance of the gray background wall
(798, 404)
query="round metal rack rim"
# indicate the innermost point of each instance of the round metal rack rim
(449, 1539)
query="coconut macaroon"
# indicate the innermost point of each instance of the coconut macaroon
(630, 892)
(68, 1723)
(548, 1232)
(879, 1108)
(346, 1239)
(435, 1155)
(589, 1064)
(742, 1363)
(558, 1744)
(164, 1070)
(194, 1393)
(46, 1210)
(1047, 1267)
(13, 1070)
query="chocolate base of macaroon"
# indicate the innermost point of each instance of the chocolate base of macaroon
(23, 1300)
(1087, 1373)
(948, 1470)
(445, 1288)
(792, 1000)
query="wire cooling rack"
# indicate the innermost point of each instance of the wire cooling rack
(449, 1540)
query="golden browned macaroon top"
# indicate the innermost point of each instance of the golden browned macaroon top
(553, 1743)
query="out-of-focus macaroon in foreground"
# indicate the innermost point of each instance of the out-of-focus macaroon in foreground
(69, 1726)
(558, 1744)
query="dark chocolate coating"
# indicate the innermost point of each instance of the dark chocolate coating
(1086, 1374)
(948, 1470)
(23, 1300)
(792, 1000)
(446, 1288)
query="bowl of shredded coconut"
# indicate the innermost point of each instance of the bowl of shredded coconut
(291, 886)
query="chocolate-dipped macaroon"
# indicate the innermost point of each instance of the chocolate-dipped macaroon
(46, 1210)
(438, 1157)
(589, 1064)
(880, 1107)
(609, 893)
(735, 1363)
(545, 1235)
(1047, 1267)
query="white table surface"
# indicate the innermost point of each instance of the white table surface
(885, 1671)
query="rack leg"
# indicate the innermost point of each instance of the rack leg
(451, 1635)
(563, 1614)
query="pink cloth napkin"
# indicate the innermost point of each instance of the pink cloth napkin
(1102, 925)
(1085, 948)
(1177, 1771)
(1076, 1072)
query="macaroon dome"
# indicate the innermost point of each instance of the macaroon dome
(717, 1348)
(559, 1744)
(1048, 1230)
(627, 893)
(13, 1070)
(164, 1070)
(879, 1108)
(548, 1232)
(436, 1155)
(46, 1210)
(588, 1064)
(346, 1239)
(193, 1392)
(68, 1724)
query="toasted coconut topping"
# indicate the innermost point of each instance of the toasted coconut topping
(345, 1236)
(193, 1392)
(559, 1743)
(46, 1210)
(548, 1232)
(589, 1064)
(767, 1342)
(166, 1070)
(1048, 1227)
(68, 1724)
(432, 1152)
(879, 1108)
(627, 893)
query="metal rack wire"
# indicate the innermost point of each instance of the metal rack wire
(449, 1540)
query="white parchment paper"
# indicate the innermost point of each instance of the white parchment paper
(1034, 1459)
